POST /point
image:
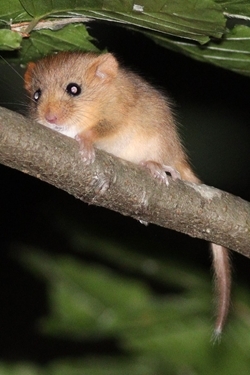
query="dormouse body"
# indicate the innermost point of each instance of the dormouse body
(93, 99)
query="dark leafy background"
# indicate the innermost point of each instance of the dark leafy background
(87, 291)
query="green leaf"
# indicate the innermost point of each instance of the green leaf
(11, 11)
(9, 40)
(72, 37)
(163, 20)
(41, 8)
(174, 24)
(196, 20)
(235, 8)
(230, 53)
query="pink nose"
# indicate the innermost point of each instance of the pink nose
(51, 118)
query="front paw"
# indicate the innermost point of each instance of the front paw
(87, 150)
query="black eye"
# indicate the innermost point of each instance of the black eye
(37, 95)
(73, 89)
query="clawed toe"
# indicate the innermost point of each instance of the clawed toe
(160, 171)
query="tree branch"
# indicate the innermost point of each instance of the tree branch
(197, 210)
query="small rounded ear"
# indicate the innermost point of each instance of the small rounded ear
(28, 75)
(106, 66)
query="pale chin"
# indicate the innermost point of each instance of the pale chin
(57, 128)
(69, 131)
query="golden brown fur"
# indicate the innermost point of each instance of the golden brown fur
(119, 112)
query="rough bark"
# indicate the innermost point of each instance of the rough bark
(197, 210)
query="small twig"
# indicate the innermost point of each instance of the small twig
(25, 28)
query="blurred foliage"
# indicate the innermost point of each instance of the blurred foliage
(111, 299)
(213, 31)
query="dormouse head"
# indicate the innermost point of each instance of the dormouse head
(67, 90)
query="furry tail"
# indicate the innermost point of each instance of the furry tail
(221, 265)
(222, 271)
